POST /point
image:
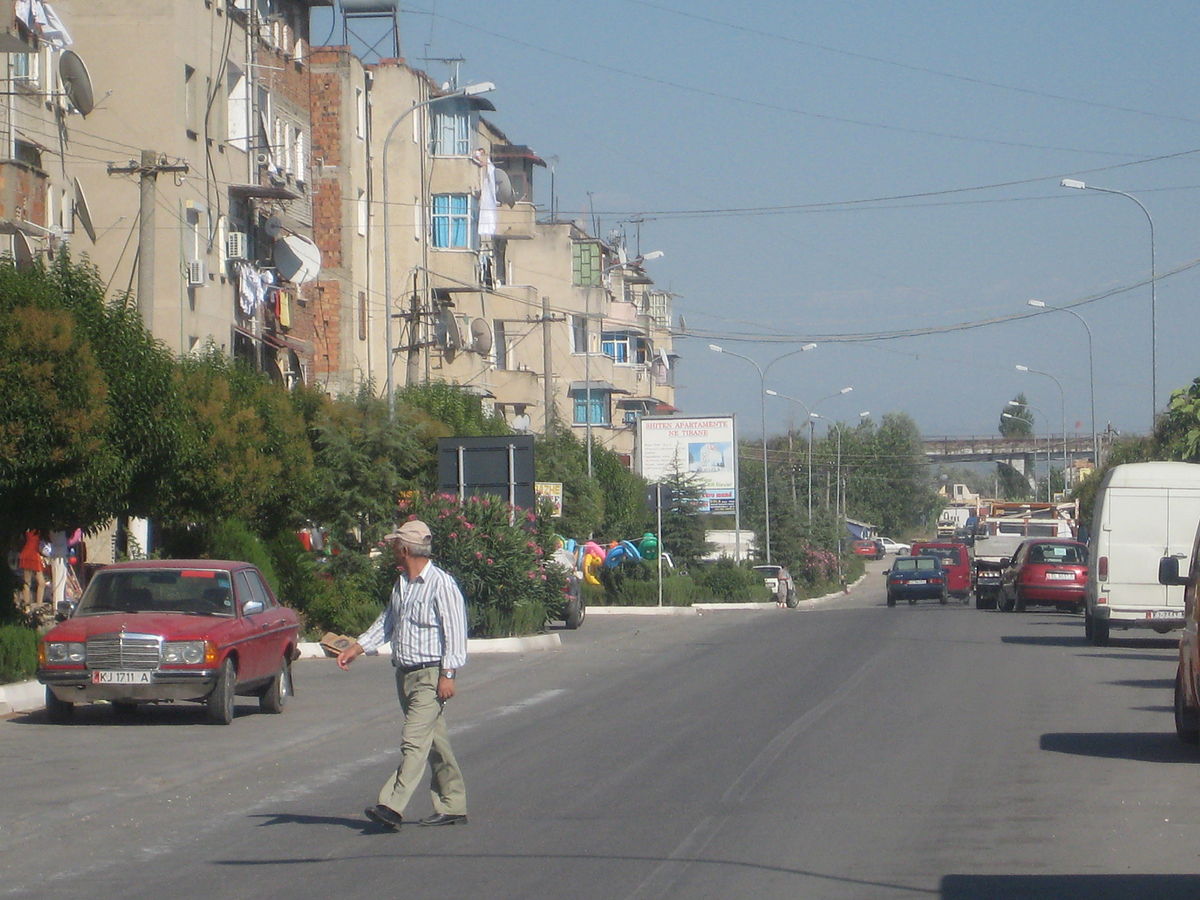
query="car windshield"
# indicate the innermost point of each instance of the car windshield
(201, 592)
(944, 554)
(768, 571)
(1066, 554)
(915, 564)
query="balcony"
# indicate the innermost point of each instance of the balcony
(515, 223)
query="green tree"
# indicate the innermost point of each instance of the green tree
(682, 524)
(888, 484)
(558, 456)
(1016, 419)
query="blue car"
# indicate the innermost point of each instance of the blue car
(914, 578)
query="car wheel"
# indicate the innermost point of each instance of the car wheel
(793, 600)
(1100, 632)
(220, 701)
(58, 711)
(575, 613)
(891, 599)
(1187, 718)
(279, 691)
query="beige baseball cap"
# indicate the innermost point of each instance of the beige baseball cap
(413, 532)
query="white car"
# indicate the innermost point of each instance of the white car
(899, 549)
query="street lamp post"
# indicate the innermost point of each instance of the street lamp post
(812, 421)
(762, 404)
(1084, 186)
(1041, 304)
(1017, 418)
(1062, 399)
(469, 90)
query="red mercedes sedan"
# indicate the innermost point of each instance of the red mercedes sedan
(1045, 572)
(155, 631)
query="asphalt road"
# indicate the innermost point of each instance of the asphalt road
(849, 751)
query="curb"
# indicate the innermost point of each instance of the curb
(21, 696)
(642, 610)
(313, 650)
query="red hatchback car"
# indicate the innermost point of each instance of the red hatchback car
(1045, 573)
(165, 630)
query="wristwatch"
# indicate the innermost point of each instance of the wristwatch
(448, 673)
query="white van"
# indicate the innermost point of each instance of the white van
(1143, 512)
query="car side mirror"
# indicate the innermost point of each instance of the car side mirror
(252, 607)
(1168, 571)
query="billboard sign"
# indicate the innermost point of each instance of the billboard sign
(703, 447)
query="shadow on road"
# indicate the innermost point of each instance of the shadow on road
(1044, 640)
(98, 715)
(1145, 657)
(362, 825)
(1068, 887)
(1158, 684)
(1142, 746)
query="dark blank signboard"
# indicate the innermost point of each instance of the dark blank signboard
(489, 465)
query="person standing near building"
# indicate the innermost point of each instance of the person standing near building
(426, 623)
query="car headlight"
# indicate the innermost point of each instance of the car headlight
(183, 652)
(58, 653)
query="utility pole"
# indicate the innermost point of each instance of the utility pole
(152, 163)
(412, 370)
(547, 361)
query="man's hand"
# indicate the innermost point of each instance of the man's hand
(348, 655)
(445, 688)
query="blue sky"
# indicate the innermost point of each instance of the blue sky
(857, 168)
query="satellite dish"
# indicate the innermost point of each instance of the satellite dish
(22, 252)
(481, 336)
(273, 227)
(77, 83)
(504, 189)
(82, 214)
(297, 258)
(447, 333)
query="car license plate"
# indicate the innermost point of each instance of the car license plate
(918, 581)
(1165, 614)
(1059, 576)
(120, 678)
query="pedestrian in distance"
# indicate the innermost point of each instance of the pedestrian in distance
(425, 621)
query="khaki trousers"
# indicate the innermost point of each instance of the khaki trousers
(424, 739)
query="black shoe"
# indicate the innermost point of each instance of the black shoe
(443, 819)
(385, 816)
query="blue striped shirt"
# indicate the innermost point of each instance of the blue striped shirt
(425, 620)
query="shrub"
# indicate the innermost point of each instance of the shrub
(727, 582)
(18, 653)
(232, 539)
(498, 565)
(678, 590)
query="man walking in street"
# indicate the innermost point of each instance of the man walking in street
(426, 623)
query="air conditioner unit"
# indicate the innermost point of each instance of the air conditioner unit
(236, 245)
(196, 275)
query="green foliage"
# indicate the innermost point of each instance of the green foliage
(352, 589)
(678, 590)
(885, 474)
(362, 464)
(233, 539)
(1016, 419)
(498, 564)
(558, 456)
(18, 653)
(455, 411)
(1178, 430)
(624, 493)
(682, 525)
(724, 581)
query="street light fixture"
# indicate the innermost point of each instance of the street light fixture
(1084, 186)
(762, 404)
(1041, 304)
(469, 90)
(1062, 399)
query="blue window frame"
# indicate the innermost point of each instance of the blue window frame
(599, 408)
(452, 221)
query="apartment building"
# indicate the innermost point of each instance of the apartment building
(202, 108)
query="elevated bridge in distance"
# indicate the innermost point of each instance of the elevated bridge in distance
(1012, 450)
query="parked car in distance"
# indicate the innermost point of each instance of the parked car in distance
(155, 631)
(867, 547)
(955, 559)
(914, 578)
(897, 548)
(1045, 573)
(779, 582)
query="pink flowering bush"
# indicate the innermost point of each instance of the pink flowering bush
(498, 566)
(814, 566)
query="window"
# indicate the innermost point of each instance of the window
(27, 153)
(500, 345)
(452, 220)
(451, 127)
(585, 265)
(25, 67)
(579, 334)
(615, 345)
(237, 108)
(598, 406)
